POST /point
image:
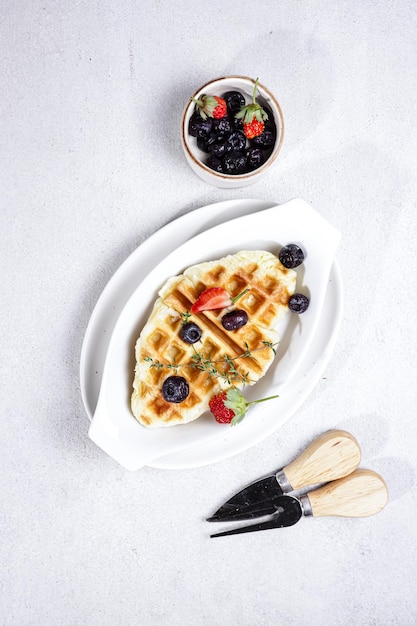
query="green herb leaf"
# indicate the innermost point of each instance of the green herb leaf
(224, 368)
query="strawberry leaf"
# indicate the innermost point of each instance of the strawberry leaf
(252, 110)
(236, 401)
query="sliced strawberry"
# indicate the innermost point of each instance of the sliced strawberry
(214, 298)
(211, 299)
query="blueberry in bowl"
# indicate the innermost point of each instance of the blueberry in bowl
(234, 101)
(232, 131)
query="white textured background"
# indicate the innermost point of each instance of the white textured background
(91, 165)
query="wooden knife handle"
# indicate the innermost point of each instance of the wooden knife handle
(333, 455)
(361, 494)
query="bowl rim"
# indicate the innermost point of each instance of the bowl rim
(219, 175)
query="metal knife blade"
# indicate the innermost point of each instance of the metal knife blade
(255, 500)
(288, 511)
(332, 455)
(360, 494)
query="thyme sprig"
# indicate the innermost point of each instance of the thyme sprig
(185, 317)
(224, 368)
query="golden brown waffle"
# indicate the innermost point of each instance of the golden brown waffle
(270, 284)
(160, 351)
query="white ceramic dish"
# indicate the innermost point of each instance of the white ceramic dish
(113, 428)
(297, 391)
(196, 158)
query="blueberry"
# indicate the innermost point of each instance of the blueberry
(255, 158)
(234, 101)
(234, 319)
(264, 140)
(291, 256)
(237, 123)
(197, 127)
(219, 148)
(190, 332)
(234, 163)
(236, 140)
(214, 163)
(204, 142)
(175, 389)
(222, 127)
(298, 303)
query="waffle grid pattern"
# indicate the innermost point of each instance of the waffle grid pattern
(270, 286)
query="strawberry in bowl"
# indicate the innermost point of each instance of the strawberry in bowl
(232, 131)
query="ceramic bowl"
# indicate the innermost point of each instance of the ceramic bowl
(196, 157)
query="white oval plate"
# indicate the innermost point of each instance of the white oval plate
(107, 366)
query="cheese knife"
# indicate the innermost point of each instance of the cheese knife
(360, 494)
(331, 456)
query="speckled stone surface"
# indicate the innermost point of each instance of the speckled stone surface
(91, 165)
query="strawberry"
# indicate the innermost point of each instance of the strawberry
(253, 129)
(253, 116)
(230, 407)
(214, 298)
(217, 406)
(211, 106)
